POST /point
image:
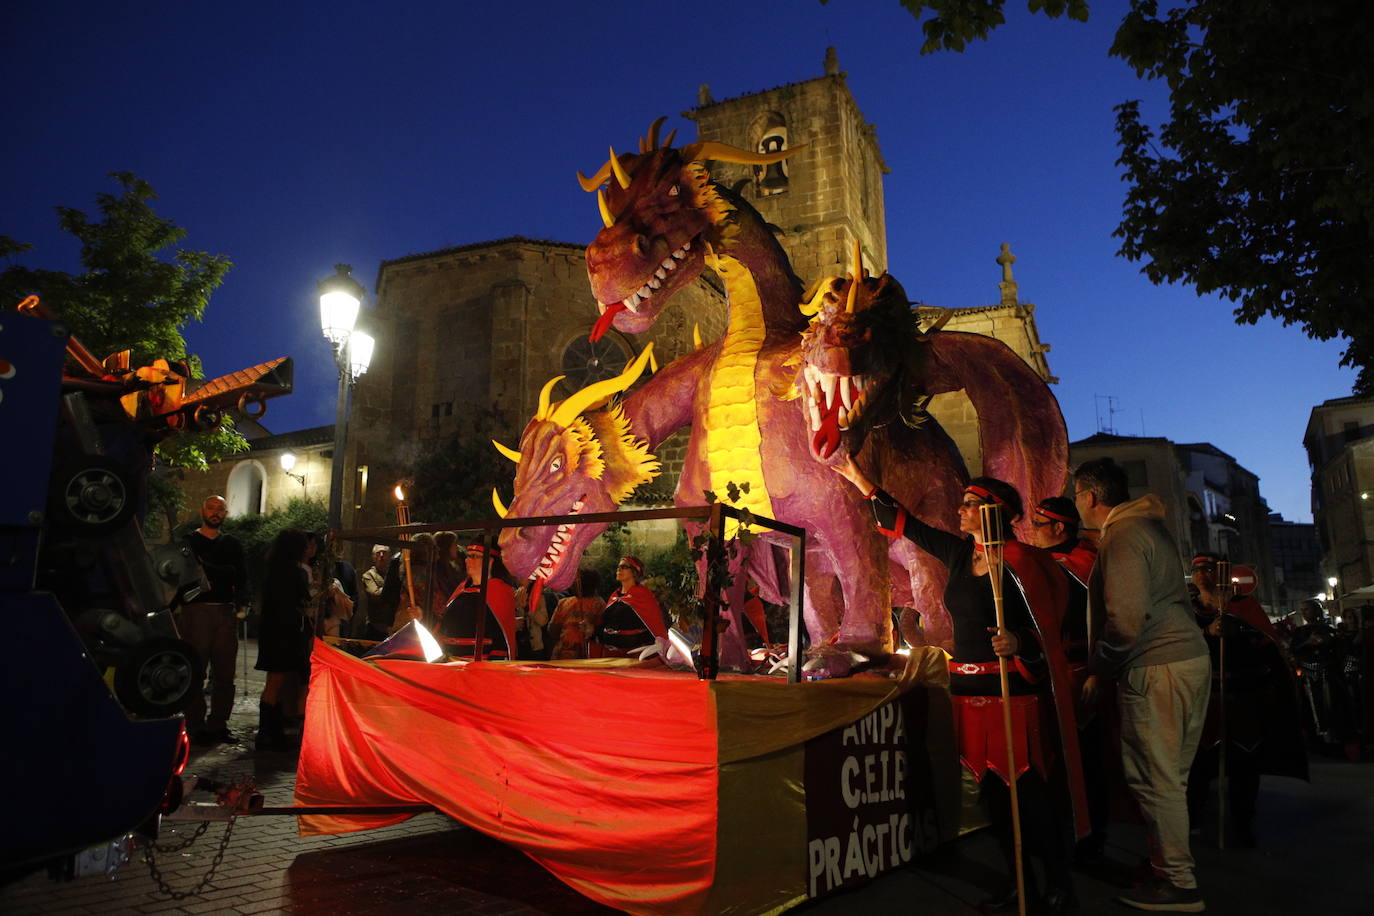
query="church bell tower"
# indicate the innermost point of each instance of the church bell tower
(829, 192)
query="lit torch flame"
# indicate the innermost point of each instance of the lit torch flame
(400, 494)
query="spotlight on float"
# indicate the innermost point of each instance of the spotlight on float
(411, 641)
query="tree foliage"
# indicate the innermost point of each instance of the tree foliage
(453, 479)
(258, 531)
(1259, 185)
(951, 24)
(1260, 188)
(136, 292)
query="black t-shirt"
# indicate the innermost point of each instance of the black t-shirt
(223, 562)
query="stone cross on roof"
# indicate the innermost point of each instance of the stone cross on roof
(1008, 285)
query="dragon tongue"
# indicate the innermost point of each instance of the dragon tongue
(536, 590)
(826, 438)
(603, 324)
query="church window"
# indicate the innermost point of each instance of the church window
(587, 361)
(774, 178)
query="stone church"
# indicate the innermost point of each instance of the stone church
(491, 322)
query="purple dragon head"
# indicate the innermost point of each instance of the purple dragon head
(572, 461)
(860, 342)
(660, 211)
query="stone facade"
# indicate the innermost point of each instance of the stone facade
(1297, 562)
(1340, 450)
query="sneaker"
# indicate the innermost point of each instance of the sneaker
(1160, 895)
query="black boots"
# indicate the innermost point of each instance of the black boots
(271, 734)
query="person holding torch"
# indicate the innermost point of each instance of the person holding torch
(1008, 679)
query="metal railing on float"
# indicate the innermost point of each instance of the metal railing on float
(715, 515)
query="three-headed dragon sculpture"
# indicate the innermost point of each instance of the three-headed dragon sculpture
(793, 379)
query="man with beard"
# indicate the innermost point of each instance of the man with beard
(210, 623)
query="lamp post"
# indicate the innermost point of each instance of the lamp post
(340, 298)
(288, 461)
(1335, 596)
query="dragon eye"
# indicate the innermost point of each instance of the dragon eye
(556, 463)
(672, 192)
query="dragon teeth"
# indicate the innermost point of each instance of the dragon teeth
(660, 273)
(632, 302)
(828, 386)
(644, 292)
(846, 397)
(815, 414)
(654, 283)
(667, 265)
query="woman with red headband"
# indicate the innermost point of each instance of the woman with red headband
(459, 627)
(1035, 594)
(633, 618)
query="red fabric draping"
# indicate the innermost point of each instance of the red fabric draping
(1079, 559)
(583, 791)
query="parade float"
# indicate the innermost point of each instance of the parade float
(691, 782)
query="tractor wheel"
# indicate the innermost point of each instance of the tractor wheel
(155, 678)
(91, 497)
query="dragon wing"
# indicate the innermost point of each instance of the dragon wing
(1020, 426)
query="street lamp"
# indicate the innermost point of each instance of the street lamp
(288, 461)
(1331, 581)
(340, 298)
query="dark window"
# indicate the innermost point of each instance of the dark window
(434, 411)
(1135, 473)
(448, 408)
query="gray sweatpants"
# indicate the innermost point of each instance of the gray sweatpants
(1162, 711)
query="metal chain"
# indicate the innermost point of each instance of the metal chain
(200, 886)
(200, 832)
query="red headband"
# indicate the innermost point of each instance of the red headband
(1041, 510)
(634, 562)
(479, 549)
(986, 495)
(1204, 561)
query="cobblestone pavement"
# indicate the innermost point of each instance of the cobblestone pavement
(1315, 844)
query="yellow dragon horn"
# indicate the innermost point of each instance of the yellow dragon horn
(668, 140)
(510, 453)
(696, 337)
(651, 143)
(591, 184)
(501, 509)
(566, 411)
(721, 152)
(605, 208)
(621, 176)
(855, 278)
(543, 412)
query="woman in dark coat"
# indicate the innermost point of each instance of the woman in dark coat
(284, 636)
(1035, 600)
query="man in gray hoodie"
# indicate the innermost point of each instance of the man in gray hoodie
(1145, 637)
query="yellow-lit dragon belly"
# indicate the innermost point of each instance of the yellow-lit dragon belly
(733, 441)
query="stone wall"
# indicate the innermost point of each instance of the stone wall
(489, 324)
(834, 190)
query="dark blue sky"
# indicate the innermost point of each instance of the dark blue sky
(290, 136)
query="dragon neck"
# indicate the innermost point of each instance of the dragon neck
(733, 439)
(752, 244)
